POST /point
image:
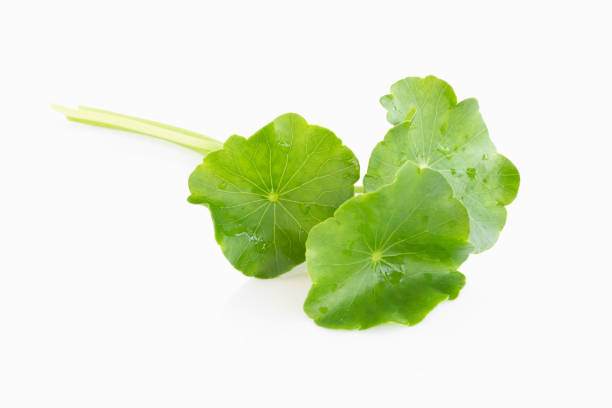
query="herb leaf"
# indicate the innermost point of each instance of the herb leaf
(390, 255)
(266, 192)
(433, 130)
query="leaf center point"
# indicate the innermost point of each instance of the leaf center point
(273, 197)
(377, 256)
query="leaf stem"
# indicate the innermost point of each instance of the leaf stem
(359, 190)
(97, 117)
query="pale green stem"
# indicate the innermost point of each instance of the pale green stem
(183, 137)
(359, 190)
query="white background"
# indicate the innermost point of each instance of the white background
(113, 292)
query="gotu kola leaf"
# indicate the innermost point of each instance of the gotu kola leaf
(266, 192)
(390, 255)
(433, 130)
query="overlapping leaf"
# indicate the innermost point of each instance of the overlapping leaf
(433, 130)
(390, 255)
(266, 192)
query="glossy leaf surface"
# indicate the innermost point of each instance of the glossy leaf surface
(390, 255)
(266, 192)
(433, 130)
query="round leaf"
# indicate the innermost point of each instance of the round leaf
(390, 255)
(433, 130)
(266, 192)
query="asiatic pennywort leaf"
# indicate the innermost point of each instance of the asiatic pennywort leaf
(433, 131)
(266, 192)
(390, 255)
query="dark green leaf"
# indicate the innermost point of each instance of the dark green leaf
(390, 255)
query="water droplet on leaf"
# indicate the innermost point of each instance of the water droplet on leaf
(395, 277)
(443, 149)
(304, 208)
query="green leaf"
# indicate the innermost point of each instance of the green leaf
(266, 192)
(433, 130)
(390, 255)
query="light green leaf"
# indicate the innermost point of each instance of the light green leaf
(266, 192)
(390, 255)
(433, 130)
